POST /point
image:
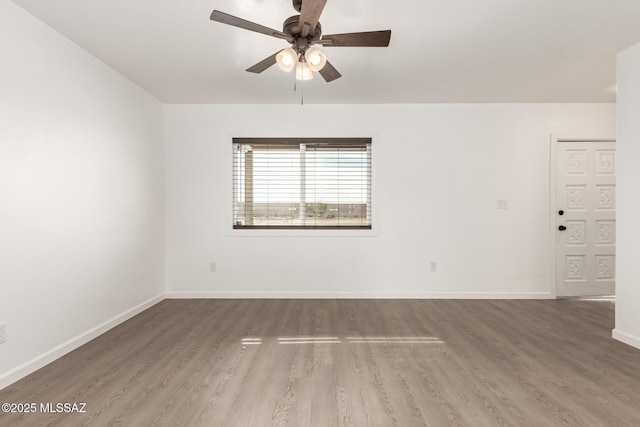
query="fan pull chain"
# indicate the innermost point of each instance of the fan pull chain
(295, 88)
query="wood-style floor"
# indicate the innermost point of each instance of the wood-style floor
(346, 363)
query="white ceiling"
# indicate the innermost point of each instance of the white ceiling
(440, 50)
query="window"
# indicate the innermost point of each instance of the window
(304, 183)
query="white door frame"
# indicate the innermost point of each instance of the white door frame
(553, 201)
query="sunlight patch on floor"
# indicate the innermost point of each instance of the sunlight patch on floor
(309, 340)
(395, 340)
(349, 339)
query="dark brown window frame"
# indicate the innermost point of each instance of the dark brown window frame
(356, 143)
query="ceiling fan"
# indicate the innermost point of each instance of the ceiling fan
(302, 32)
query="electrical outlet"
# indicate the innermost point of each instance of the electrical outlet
(433, 266)
(3, 333)
(503, 204)
(213, 266)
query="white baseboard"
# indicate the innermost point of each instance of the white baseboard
(626, 338)
(358, 295)
(38, 362)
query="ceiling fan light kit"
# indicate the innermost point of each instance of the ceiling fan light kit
(303, 72)
(302, 32)
(287, 59)
(316, 59)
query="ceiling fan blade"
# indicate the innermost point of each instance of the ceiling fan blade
(329, 73)
(366, 39)
(225, 18)
(310, 14)
(264, 64)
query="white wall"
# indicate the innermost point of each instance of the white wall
(628, 233)
(81, 195)
(438, 172)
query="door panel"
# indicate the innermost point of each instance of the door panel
(585, 236)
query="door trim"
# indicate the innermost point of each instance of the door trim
(553, 200)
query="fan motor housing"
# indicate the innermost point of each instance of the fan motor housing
(297, 5)
(291, 28)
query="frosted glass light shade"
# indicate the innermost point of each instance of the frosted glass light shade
(316, 59)
(287, 59)
(303, 72)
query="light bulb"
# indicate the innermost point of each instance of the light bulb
(316, 59)
(287, 59)
(303, 71)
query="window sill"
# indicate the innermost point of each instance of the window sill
(252, 232)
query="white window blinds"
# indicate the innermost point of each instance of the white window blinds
(302, 183)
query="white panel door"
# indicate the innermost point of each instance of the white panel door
(586, 218)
